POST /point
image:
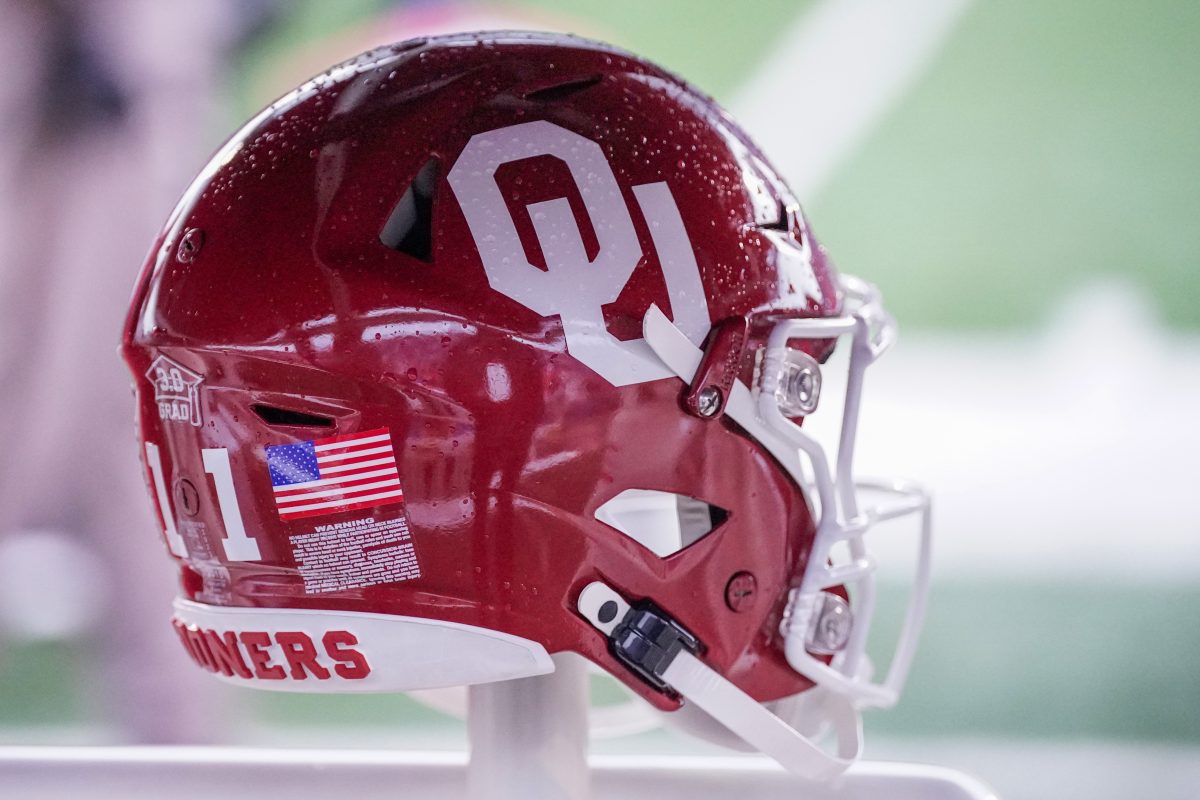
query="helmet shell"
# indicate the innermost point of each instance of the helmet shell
(271, 290)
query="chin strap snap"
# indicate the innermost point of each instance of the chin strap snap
(665, 655)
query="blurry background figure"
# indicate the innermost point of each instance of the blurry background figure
(107, 108)
(1022, 179)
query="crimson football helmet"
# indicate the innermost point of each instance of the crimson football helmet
(482, 348)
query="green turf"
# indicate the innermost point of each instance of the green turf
(1049, 144)
(1052, 660)
(716, 45)
(39, 684)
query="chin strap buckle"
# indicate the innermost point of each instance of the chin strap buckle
(648, 641)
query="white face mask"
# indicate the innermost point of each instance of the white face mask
(818, 623)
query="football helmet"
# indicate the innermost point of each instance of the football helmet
(482, 348)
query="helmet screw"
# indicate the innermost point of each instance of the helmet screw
(189, 245)
(740, 591)
(708, 402)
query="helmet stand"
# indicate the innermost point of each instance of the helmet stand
(528, 739)
(529, 736)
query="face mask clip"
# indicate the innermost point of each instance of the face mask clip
(708, 392)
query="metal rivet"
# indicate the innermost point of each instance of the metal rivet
(741, 591)
(189, 245)
(708, 402)
(607, 612)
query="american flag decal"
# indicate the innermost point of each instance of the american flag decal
(340, 473)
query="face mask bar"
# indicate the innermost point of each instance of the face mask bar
(843, 686)
(758, 411)
(873, 332)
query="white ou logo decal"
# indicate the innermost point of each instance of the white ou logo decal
(574, 288)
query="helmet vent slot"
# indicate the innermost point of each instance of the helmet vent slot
(273, 415)
(563, 89)
(409, 228)
(781, 222)
(663, 522)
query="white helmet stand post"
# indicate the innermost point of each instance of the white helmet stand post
(528, 740)
(529, 737)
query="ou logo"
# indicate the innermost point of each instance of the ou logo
(572, 287)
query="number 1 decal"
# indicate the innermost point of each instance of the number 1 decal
(238, 546)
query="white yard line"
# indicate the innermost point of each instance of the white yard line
(834, 75)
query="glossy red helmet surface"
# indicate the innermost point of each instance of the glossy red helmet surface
(389, 362)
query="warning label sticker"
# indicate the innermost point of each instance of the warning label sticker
(354, 554)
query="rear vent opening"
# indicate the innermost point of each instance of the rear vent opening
(273, 415)
(558, 91)
(409, 228)
(782, 222)
(663, 522)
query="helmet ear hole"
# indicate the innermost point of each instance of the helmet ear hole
(409, 228)
(562, 89)
(663, 522)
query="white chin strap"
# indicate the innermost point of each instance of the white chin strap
(845, 680)
(693, 680)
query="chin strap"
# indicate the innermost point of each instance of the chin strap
(665, 655)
